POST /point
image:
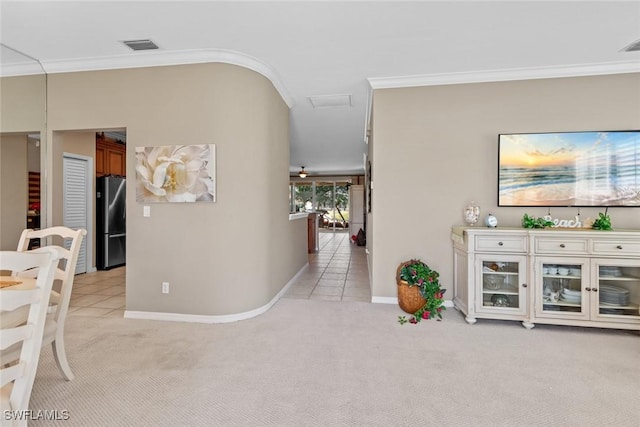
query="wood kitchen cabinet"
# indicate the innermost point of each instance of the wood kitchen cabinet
(110, 157)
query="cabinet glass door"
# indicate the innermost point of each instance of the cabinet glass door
(618, 291)
(501, 288)
(562, 292)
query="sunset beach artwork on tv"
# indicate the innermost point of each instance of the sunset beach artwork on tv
(569, 169)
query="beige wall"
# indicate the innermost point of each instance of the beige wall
(435, 146)
(13, 189)
(22, 111)
(286, 250)
(436, 149)
(22, 103)
(221, 258)
(33, 153)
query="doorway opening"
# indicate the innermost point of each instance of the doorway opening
(100, 292)
(105, 152)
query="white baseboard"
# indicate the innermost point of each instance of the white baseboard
(228, 318)
(199, 318)
(394, 300)
(384, 300)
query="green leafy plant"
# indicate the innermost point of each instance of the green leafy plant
(603, 222)
(417, 273)
(533, 222)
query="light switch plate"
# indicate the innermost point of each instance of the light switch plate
(146, 211)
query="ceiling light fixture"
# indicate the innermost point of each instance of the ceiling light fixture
(302, 173)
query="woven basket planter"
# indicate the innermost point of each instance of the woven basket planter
(409, 297)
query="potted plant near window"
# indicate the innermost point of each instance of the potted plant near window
(419, 291)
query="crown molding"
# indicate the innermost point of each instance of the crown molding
(20, 69)
(505, 75)
(154, 59)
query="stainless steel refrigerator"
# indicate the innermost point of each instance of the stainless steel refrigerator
(111, 234)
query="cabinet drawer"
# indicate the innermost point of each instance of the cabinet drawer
(611, 247)
(560, 246)
(501, 243)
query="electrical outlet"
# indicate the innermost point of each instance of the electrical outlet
(165, 287)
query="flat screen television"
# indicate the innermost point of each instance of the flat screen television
(569, 169)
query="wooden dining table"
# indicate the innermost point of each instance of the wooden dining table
(10, 319)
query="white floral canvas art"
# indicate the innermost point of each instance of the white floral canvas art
(176, 173)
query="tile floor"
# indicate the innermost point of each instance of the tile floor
(337, 272)
(99, 294)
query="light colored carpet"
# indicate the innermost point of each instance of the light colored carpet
(318, 363)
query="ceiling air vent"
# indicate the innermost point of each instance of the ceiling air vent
(140, 44)
(633, 47)
(324, 101)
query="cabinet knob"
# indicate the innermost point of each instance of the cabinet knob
(562, 245)
(500, 243)
(587, 289)
(619, 246)
(595, 289)
(524, 285)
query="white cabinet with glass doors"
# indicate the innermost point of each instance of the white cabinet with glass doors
(501, 286)
(552, 276)
(562, 290)
(598, 286)
(583, 289)
(617, 290)
(490, 274)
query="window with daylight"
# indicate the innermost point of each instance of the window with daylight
(330, 199)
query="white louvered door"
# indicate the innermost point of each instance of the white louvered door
(77, 187)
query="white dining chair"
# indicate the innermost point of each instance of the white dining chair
(59, 303)
(17, 376)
